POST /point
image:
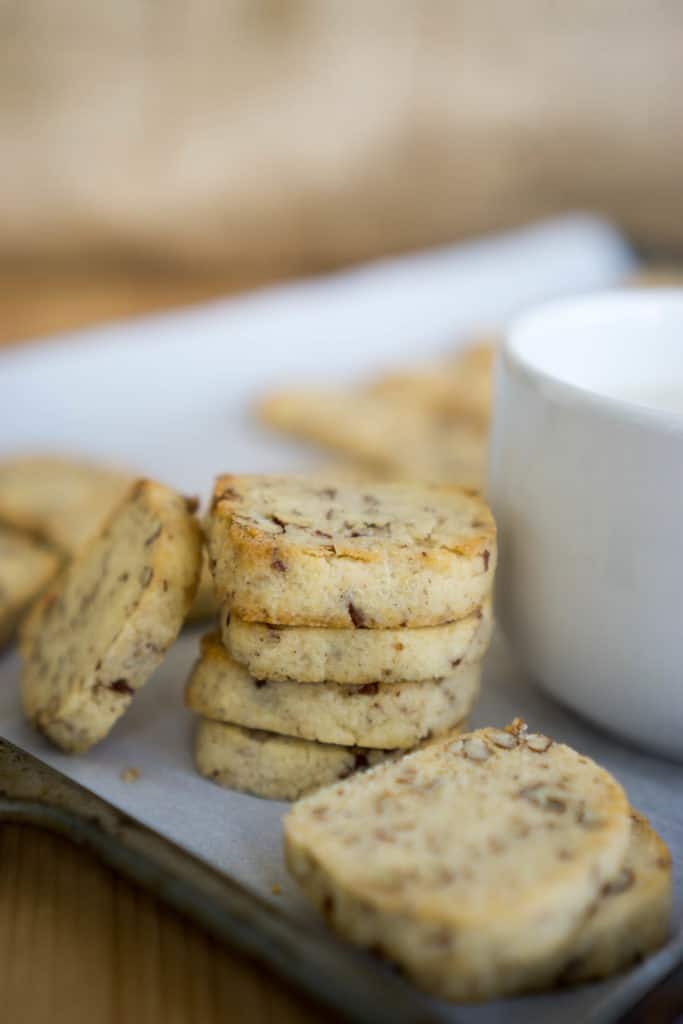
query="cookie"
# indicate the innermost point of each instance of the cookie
(395, 437)
(287, 551)
(276, 767)
(26, 567)
(62, 501)
(632, 916)
(472, 863)
(378, 715)
(459, 387)
(97, 635)
(310, 654)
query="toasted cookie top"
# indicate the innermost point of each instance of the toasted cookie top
(291, 551)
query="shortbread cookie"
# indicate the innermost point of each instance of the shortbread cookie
(459, 387)
(473, 863)
(62, 501)
(276, 767)
(394, 436)
(285, 551)
(632, 916)
(98, 634)
(26, 567)
(313, 654)
(374, 715)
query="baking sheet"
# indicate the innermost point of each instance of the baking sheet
(169, 396)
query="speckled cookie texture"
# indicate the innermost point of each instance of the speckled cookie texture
(97, 635)
(632, 916)
(288, 552)
(26, 567)
(473, 863)
(376, 715)
(406, 439)
(62, 501)
(313, 654)
(271, 766)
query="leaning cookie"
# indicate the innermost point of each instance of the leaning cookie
(474, 864)
(377, 715)
(287, 551)
(26, 567)
(98, 634)
(61, 501)
(276, 767)
(310, 654)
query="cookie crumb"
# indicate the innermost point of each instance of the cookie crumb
(130, 774)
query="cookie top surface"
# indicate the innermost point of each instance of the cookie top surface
(63, 501)
(105, 623)
(364, 522)
(500, 829)
(288, 551)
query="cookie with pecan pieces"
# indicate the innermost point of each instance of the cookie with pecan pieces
(313, 654)
(632, 916)
(375, 714)
(98, 634)
(288, 551)
(276, 767)
(473, 864)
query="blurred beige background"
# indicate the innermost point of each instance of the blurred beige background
(299, 135)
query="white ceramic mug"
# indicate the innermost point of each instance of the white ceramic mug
(586, 482)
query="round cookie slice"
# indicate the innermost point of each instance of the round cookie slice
(98, 634)
(313, 654)
(377, 715)
(286, 551)
(26, 568)
(277, 767)
(472, 863)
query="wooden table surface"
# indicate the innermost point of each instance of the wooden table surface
(78, 945)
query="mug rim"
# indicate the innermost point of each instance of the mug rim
(608, 303)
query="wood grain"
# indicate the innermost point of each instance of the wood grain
(78, 945)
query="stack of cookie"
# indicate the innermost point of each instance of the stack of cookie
(353, 621)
